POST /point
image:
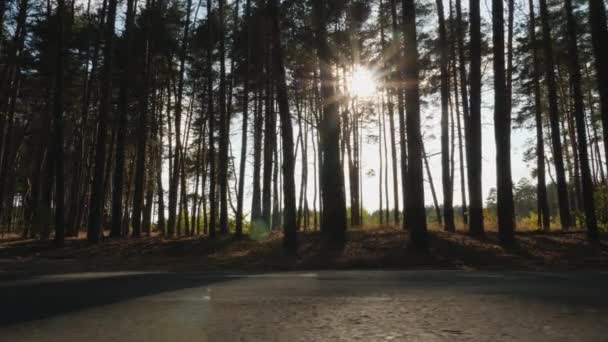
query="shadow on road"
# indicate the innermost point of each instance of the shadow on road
(30, 298)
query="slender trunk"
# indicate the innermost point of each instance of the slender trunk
(97, 188)
(386, 192)
(554, 118)
(58, 128)
(289, 189)
(398, 76)
(579, 114)
(211, 113)
(381, 165)
(448, 209)
(269, 143)
(258, 123)
(141, 132)
(502, 129)
(391, 116)
(176, 175)
(541, 190)
(224, 128)
(244, 133)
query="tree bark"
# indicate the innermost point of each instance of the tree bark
(541, 189)
(333, 218)
(502, 130)
(473, 131)
(123, 103)
(243, 162)
(415, 209)
(581, 131)
(290, 243)
(448, 191)
(554, 118)
(96, 204)
(224, 129)
(58, 108)
(211, 115)
(599, 37)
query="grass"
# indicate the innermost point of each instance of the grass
(370, 247)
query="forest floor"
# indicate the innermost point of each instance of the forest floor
(367, 248)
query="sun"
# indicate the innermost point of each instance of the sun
(362, 83)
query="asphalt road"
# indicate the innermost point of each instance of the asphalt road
(314, 306)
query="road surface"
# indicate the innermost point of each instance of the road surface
(313, 306)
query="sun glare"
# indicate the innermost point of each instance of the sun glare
(362, 83)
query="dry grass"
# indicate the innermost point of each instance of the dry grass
(368, 247)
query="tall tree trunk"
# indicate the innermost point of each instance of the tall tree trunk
(581, 131)
(541, 189)
(96, 204)
(176, 175)
(562, 187)
(333, 219)
(599, 37)
(473, 131)
(244, 132)
(502, 130)
(460, 33)
(269, 142)
(289, 189)
(224, 128)
(398, 76)
(381, 165)
(415, 210)
(258, 124)
(123, 104)
(448, 192)
(391, 115)
(141, 132)
(211, 113)
(58, 128)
